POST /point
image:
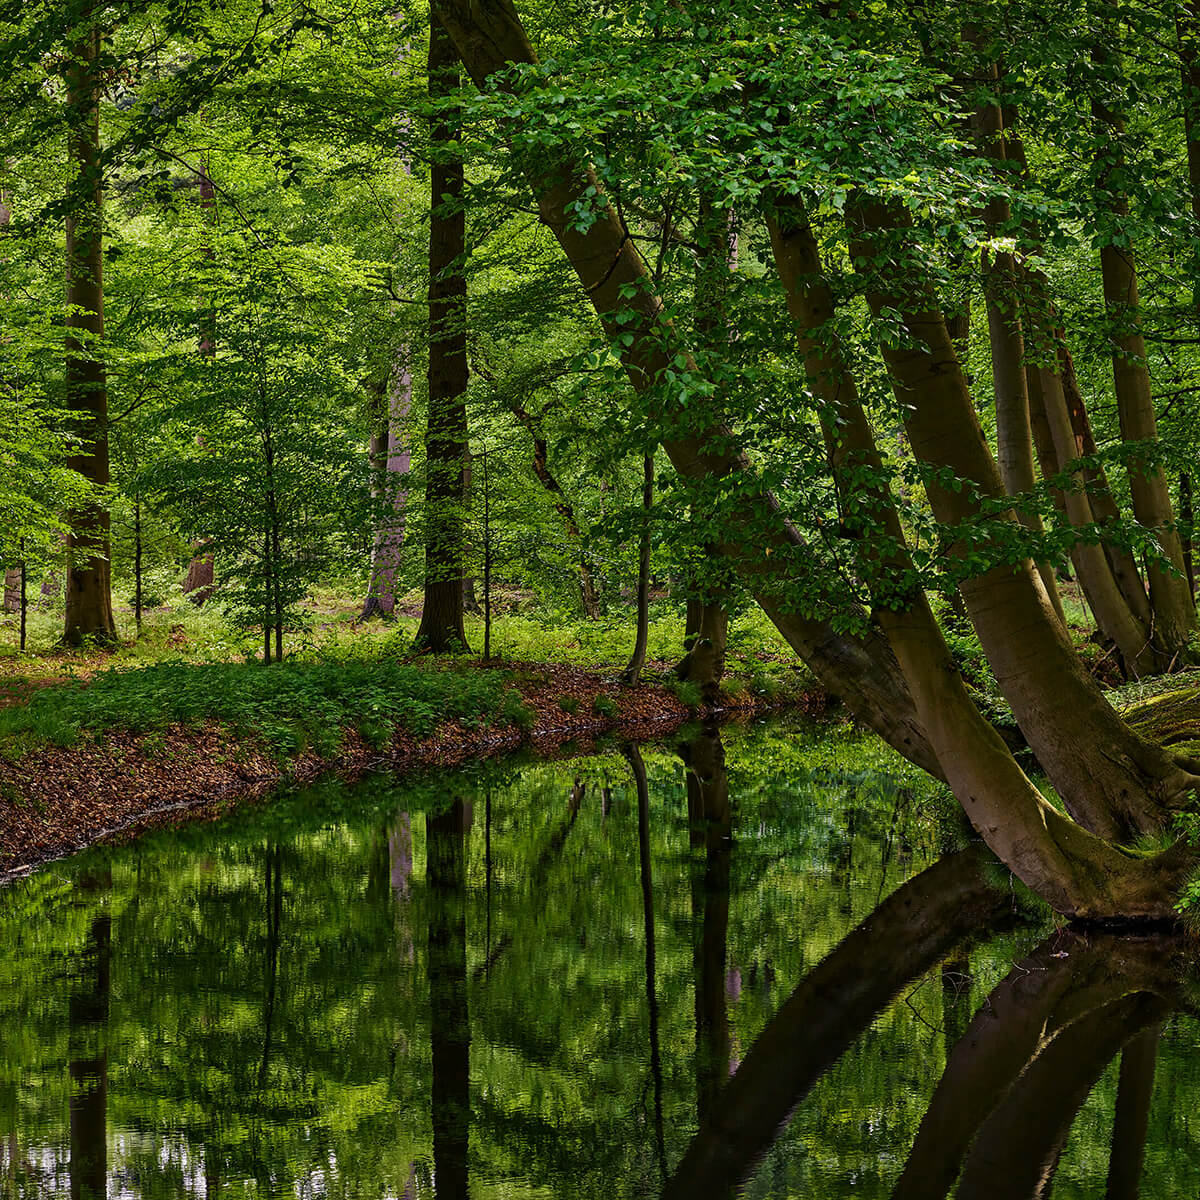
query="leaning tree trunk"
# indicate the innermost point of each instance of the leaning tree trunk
(1014, 434)
(1170, 597)
(441, 630)
(89, 612)
(859, 668)
(1112, 780)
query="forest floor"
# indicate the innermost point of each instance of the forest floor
(103, 744)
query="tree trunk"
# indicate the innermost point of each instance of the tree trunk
(1170, 598)
(1134, 1090)
(12, 589)
(710, 818)
(199, 582)
(391, 460)
(89, 612)
(705, 634)
(1014, 435)
(441, 630)
(1112, 780)
(859, 668)
(1186, 518)
(637, 660)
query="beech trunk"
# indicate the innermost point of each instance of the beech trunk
(441, 630)
(89, 612)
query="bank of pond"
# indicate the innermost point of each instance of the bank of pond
(765, 961)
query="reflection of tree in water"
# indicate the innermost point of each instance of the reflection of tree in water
(88, 1045)
(1016, 1075)
(450, 1026)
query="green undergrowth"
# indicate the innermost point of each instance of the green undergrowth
(290, 706)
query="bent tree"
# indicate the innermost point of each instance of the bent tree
(889, 661)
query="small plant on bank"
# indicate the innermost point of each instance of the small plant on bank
(604, 706)
(688, 693)
(569, 704)
(517, 713)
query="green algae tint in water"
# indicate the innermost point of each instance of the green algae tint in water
(542, 981)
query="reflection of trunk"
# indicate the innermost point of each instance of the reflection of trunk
(273, 898)
(89, 583)
(906, 935)
(541, 468)
(1132, 1117)
(450, 1028)
(711, 821)
(637, 660)
(442, 630)
(643, 801)
(1016, 1152)
(1040, 1001)
(88, 1041)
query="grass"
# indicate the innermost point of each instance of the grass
(290, 706)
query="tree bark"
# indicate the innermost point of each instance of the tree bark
(1014, 434)
(442, 630)
(391, 460)
(1170, 598)
(637, 660)
(859, 668)
(1134, 1090)
(89, 612)
(450, 1019)
(1112, 780)
(199, 582)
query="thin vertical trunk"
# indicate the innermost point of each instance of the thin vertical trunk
(199, 582)
(637, 660)
(89, 612)
(450, 1020)
(1186, 518)
(541, 468)
(647, 878)
(1170, 598)
(487, 562)
(137, 561)
(711, 820)
(24, 593)
(442, 630)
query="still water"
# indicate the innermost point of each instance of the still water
(757, 966)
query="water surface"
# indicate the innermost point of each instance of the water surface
(769, 972)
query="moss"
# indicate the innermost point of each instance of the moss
(1171, 719)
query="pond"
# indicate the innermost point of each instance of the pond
(758, 963)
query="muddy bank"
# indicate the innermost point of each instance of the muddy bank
(56, 801)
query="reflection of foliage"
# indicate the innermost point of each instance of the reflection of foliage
(270, 1021)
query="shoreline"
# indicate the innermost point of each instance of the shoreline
(56, 802)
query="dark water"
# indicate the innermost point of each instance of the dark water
(768, 978)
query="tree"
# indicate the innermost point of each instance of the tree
(1072, 862)
(441, 630)
(89, 585)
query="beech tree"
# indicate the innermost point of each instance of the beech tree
(894, 668)
(441, 629)
(89, 585)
